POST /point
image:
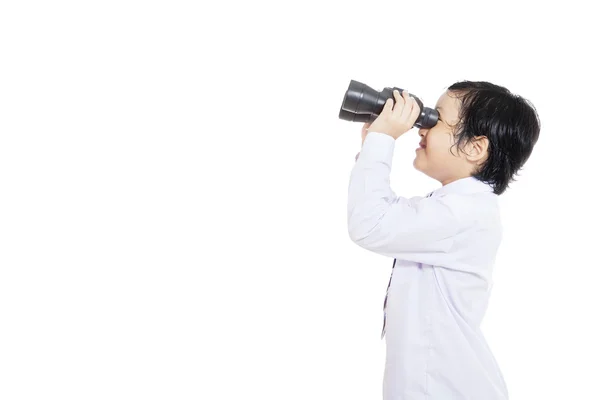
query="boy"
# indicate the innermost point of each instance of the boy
(443, 245)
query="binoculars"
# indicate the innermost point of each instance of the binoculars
(364, 104)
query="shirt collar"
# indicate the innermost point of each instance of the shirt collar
(468, 185)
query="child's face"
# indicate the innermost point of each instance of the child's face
(436, 160)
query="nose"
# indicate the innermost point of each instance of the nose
(422, 132)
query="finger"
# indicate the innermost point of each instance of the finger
(414, 114)
(387, 107)
(410, 102)
(399, 101)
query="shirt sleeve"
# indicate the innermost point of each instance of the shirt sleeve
(390, 225)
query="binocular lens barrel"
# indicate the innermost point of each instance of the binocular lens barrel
(363, 104)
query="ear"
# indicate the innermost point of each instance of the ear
(477, 149)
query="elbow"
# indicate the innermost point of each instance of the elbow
(363, 226)
(369, 235)
(353, 226)
(352, 233)
(357, 233)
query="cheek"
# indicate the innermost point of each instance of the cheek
(437, 152)
(440, 143)
(435, 146)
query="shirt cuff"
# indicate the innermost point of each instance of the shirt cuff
(378, 147)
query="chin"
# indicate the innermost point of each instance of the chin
(416, 164)
(420, 168)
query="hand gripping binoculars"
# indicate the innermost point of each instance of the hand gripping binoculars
(364, 104)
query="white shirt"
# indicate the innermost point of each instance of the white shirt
(444, 247)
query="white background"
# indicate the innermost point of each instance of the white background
(173, 187)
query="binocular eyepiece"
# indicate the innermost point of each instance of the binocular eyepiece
(364, 104)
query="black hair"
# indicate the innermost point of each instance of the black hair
(510, 123)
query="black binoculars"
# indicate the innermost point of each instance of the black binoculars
(364, 104)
